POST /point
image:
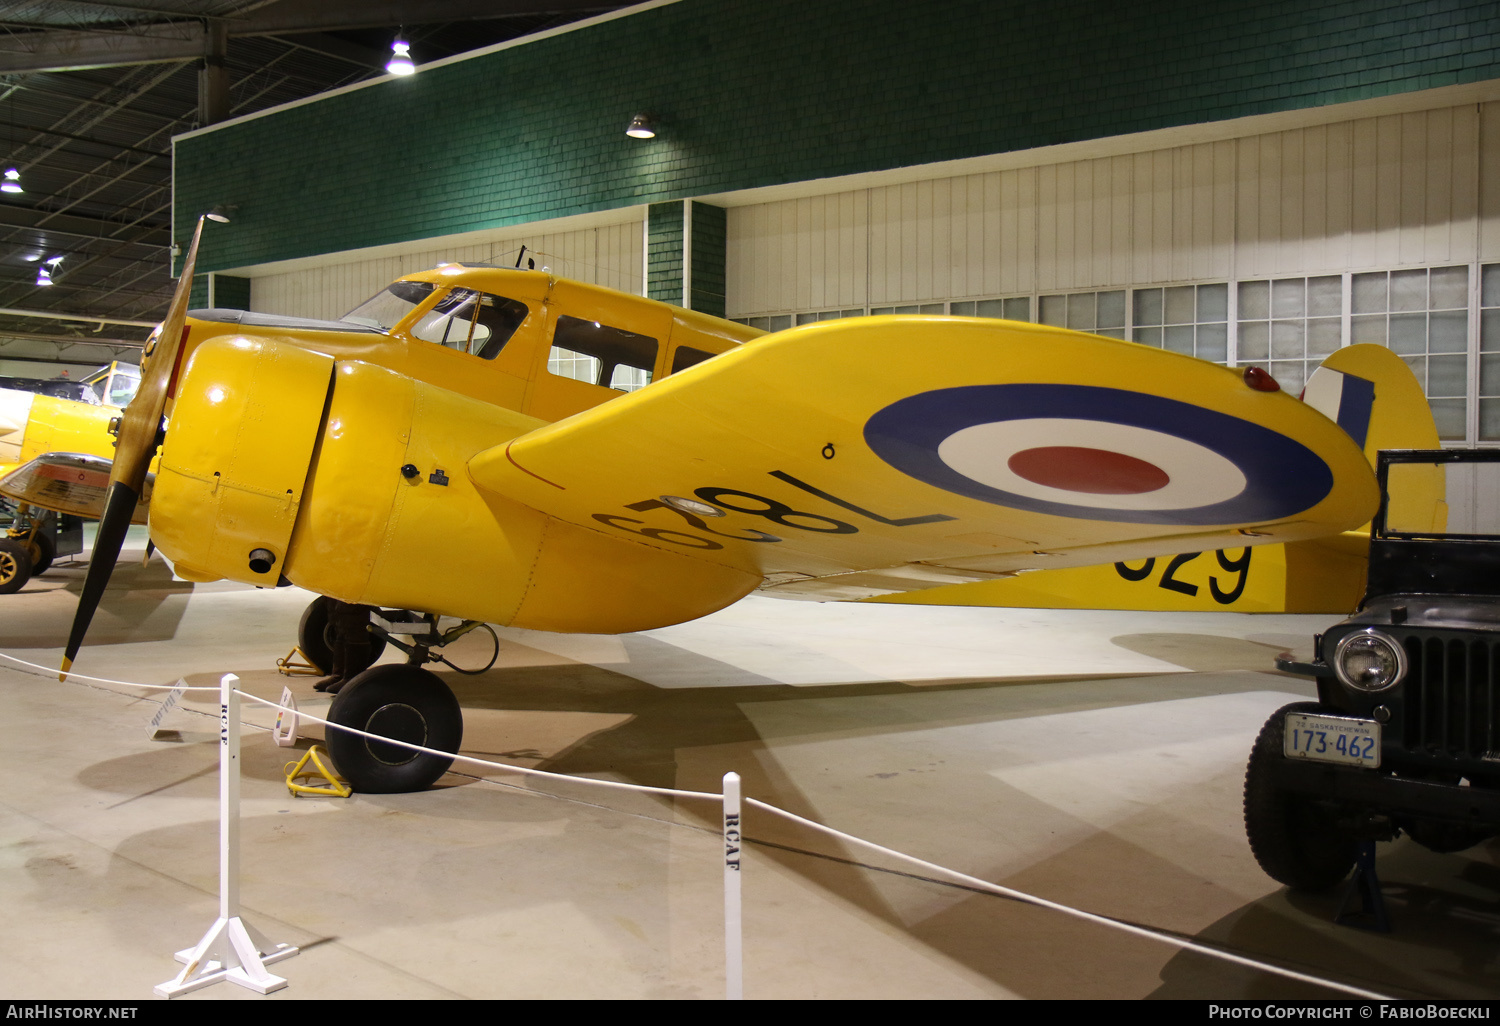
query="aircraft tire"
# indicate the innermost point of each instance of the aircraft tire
(403, 702)
(315, 639)
(310, 635)
(1295, 841)
(15, 565)
(46, 551)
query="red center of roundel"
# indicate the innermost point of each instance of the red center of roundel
(1095, 471)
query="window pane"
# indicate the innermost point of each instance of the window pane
(1370, 328)
(1409, 333)
(1325, 296)
(1081, 311)
(1448, 375)
(930, 308)
(1323, 335)
(807, 318)
(1489, 285)
(1286, 340)
(1489, 375)
(1111, 332)
(1112, 309)
(1150, 336)
(907, 309)
(608, 347)
(1055, 310)
(1255, 300)
(1288, 298)
(1290, 375)
(567, 364)
(1450, 288)
(1255, 342)
(1418, 365)
(1409, 290)
(1018, 309)
(687, 356)
(961, 309)
(1369, 293)
(1213, 303)
(1489, 331)
(1179, 339)
(1448, 332)
(1489, 420)
(1449, 415)
(1148, 306)
(1213, 342)
(1181, 305)
(990, 308)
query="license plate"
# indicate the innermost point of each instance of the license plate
(1332, 739)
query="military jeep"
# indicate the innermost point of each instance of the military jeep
(1405, 735)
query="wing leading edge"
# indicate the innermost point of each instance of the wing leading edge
(872, 455)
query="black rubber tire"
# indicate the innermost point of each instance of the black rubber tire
(15, 565)
(310, 631)
(46, 551)
(315, 639)
(402, 702)
(1291, 837)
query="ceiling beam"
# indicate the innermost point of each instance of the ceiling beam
(80, 49)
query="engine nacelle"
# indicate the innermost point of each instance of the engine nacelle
(227, 495)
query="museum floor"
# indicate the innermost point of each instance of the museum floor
(1094, 759)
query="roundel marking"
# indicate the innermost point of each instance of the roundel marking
(1077, 468)
(1097, 453)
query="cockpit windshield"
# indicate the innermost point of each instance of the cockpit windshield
(386, 308)
(115, 384)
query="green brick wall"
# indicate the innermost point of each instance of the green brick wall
(230, 293)
(664, 233)
(710, 239)
(759, 92)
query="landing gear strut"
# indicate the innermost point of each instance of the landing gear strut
(400, 701)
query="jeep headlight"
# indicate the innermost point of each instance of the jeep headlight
(1368, 660)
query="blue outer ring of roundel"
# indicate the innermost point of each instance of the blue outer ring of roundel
(1283, 477)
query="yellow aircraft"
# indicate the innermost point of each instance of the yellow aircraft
(501, 446)
(75, 433)
(1374, 396)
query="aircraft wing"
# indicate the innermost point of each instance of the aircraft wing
(871, 455)
(68, 482)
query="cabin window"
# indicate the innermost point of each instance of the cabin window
(471, 322)
(386, 308)
(601, 355)
(687, 356)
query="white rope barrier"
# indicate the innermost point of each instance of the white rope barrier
(734, 839)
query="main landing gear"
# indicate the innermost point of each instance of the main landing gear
(401, 701)
(31, 543)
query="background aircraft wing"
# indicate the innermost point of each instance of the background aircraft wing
(848, 458)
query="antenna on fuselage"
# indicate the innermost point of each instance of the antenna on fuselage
(519, 257)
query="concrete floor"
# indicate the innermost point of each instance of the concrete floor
(1091, 758)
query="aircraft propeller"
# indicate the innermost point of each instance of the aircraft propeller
(138, 434)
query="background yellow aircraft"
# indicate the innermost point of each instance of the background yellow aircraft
(483, 444)
(75, 432)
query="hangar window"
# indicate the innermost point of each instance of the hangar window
(1489, 353)
(1288, 325)
(601, 355)
(1016, 308)
(1423, 315)
(1188, 319)
(387, 307)
(471, 322)
(1102, 313)
(911, 308)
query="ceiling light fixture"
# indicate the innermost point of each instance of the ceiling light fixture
(12, 181)
(641, 127)
(44, 273)
(400, 62)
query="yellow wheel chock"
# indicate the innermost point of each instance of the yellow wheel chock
(296, 664)
(332, 784)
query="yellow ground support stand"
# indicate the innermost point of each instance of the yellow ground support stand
(296, 664)
(335, 785)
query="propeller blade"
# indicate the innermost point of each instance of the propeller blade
(135, 445)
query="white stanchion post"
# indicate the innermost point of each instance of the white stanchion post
(231, 949)
(734, 957)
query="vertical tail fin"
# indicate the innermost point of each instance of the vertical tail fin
(1372, 394)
